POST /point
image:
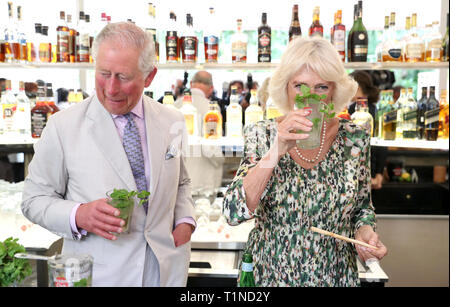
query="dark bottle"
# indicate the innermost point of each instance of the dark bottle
(421, 108)
(40, 113)
(358, 41)
(264, 41)
(172, 41)
(316, 28)
(247, 279)
(432, 117)
(294, 29)
(189, 42)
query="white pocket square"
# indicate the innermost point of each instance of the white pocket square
(172, 152)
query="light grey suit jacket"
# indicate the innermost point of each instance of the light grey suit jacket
(80, 157)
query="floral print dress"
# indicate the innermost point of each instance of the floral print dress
(334, 195)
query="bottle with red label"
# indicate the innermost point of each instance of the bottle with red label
(264, 41)
(211, 39)
(338, 35)
(189, 42)
(316, 28)
(172, 41)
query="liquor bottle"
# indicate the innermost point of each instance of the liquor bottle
(432, 116)
(409, 113)
(212, 122)
(40, 113)
(434, 51)
(264, 41)
(34, 45)
(362, 117)
(443, 116)
(62, 41)
(338, 35)
(49, 98)
(294, 29)
(72, 48)
(406, 37)
(45, 46)
(168, 100)
(172, 41)
(399, 105)
(83, 41)
(358, 41)
(254, 112)
(415, 46)
(392, 51)
(239, 45)
(21, 36)
(390, 117)
(246, 278)
(152, 28)
(234, 115)
(379, 112)
(272, 110)
(384, 38)
(445, 48)
(189, 42)
(72, 97)
(10, 44)
(79, 95)
(23, 113)
(211, 39)
(87, 20)
(421, 109)
(8, 106)
(190, 114)
(316, 28)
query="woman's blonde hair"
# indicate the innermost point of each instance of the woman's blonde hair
(318, 55)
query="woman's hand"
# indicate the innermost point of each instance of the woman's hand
(287, 130)
(366, 234)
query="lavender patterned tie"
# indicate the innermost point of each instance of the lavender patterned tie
(133, 148)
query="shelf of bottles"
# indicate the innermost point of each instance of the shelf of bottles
(240, 66)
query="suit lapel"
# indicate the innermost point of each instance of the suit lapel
(108, 141)
(156, 143)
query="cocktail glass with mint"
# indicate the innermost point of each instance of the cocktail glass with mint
(319, 111)
(124, 200)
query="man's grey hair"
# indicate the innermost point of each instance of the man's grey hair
(203, 77)
(130, 36)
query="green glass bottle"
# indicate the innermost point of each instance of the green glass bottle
(247, 279)
(358, 41)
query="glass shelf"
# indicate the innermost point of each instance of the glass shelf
(237, 66)
(416, 144)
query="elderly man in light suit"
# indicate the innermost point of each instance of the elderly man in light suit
(85, 151)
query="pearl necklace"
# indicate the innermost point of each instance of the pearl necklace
(322, 140)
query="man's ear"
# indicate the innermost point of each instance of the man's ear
(150, 77)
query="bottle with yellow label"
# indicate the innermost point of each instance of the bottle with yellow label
(254, 112)
(272, 110)
(212, 122)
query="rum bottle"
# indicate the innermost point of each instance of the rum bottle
(10, 44)
(264, 41)
(415, 46)
(62, 40)
(434, 51)
(358, 40)
(21, 37)
(189, 42)
(432, 117)
(40, 113)
(239, 45)
(392, 47)
(254, 112)
(45, 47)
(23, 113)
(211, 39)
(338, 35)
(172, 41)
(190, 114)
(294, 29)
(316, 28)
(152, 28)
(362, 117)
(400, 106)
(234, 115)
(72, 47)
(83, 41)
(212, 122)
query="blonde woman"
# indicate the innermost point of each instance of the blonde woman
(288, 189)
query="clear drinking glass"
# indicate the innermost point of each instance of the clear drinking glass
(125, 206)
(316, 117)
